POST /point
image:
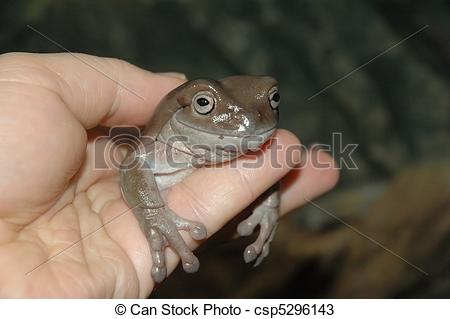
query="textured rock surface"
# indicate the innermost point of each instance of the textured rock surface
(397, 108)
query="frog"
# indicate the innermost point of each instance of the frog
(201, 123)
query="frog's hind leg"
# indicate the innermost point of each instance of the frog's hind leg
(265, 214)
(158, 223)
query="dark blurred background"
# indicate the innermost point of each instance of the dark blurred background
(397, 108)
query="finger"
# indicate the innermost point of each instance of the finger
(232, 187)
(307, 183)
(227, 192)
(42, 146)
(96, 90)
(46, 102)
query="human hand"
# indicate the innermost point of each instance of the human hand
(51, 195)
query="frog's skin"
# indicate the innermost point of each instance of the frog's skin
(228, 117)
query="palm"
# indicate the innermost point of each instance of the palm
(48, 256)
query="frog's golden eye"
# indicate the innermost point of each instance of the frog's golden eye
(274, 97)
(203, 103)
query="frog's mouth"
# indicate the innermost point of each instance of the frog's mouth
(233, 147)
(264, 135)
(219, 147)
(249, 143)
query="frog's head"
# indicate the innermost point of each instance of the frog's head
(226, 118)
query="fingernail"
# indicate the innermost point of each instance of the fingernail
(176, 75)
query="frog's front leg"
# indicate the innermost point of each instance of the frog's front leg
(158, 222)
(265, 214)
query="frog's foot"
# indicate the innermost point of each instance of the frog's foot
(196, 230)
(163, 231)
(266, 217)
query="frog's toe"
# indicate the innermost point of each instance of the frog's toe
(170, 231)
(260, 248)
(158, 273)
(190, 263)
(198, 231)
(250, 254)
(157, 244)
(247, 226)
(264, 253)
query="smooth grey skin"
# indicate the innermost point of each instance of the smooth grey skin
(200, 123)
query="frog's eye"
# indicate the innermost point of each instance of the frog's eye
(203, 103)
(274, 97)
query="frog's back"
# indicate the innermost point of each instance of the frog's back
(163, 112)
